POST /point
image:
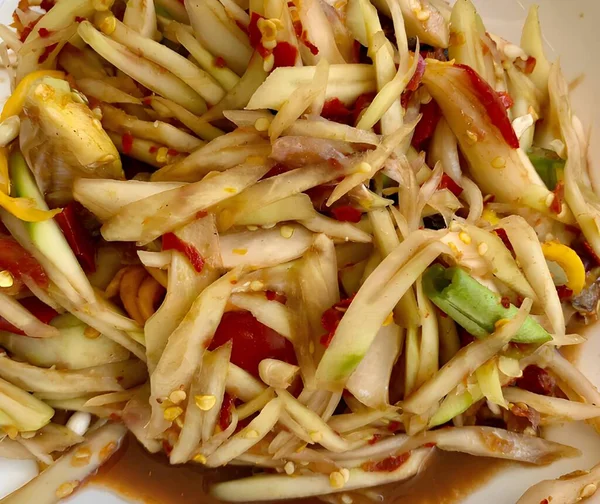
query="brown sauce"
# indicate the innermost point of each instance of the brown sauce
(447, 478)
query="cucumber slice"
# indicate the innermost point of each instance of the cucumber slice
(46, 235)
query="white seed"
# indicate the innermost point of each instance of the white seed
(79, 422)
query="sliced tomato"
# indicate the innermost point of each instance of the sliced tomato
(251, 341)
(19, 262)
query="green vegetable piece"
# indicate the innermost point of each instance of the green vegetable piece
(475, 307)
(549, 165)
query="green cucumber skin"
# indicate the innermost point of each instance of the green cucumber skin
(548, 165)
(479, 315)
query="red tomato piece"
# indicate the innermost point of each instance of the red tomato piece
(77, 237)
(335, 110)
(493, 106)
(171, 241)
(19, 262)
(251, 341)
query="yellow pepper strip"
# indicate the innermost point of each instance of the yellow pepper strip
(570, 263)
(22, 208)
(26, 209)
(14, 105)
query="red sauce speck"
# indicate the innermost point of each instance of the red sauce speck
(505, 302)
(375, 439)
(493, 105)
(226, 409)
(346, 213)
(252, 341)
(153, 149)
(394, 426)
(414, 83)
(389, 464)
(447, 182)
(201, 214)
(254, 33)
(147, 100)
(172, 152)
(79, 19)
(537, 380)
(285, 55)
(297, 28)
(520, 300)
(47, 52)
(564, 292)
(361, 103)
(220, 62)
(171, 241)
(559, 196)
(501, 233)
(127, 142)
(167, 448)
(43, 32)
(39, 310)
(27, 30)
(314, 50)
(426, 126)
(591, 251)
(276, 296)
(47, 4)
(530, 65)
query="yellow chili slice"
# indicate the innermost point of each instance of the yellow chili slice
(14, 105)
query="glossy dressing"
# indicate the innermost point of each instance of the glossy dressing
(447, 478)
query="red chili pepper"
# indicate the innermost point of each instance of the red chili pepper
(39, 310)
(415, 82)
(331, 319)
(389, 464)
(375, 439)
(447, 182)
(47, 52)
(285, 55)
(506, 100)
(77, 236)
(44, 32)
(335, 110)
(167, 448)
(520, 300)
(226, 409)
(501, 233)
(493, 106)
(346, 213)
(171, 241)
(28, 29)
(172, 152)
(127, 142)
(153, 149)
(79, 19)
(297, 28)
(20, 263)
(426, 126)
(220, 62)
(559, 196)
(505, 302)
(564, 292)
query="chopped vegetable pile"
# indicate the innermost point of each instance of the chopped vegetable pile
(321, 239)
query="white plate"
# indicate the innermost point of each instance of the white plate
(572, 35)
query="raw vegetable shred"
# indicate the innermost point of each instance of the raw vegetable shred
(321, 239)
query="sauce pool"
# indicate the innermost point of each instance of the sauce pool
(139, 476)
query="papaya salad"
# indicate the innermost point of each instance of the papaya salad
(319, 238)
